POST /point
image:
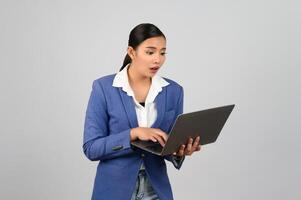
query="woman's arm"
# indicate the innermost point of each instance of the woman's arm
(98, 144)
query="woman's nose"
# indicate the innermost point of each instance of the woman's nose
(157, 58)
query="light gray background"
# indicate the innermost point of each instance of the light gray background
(221, 52)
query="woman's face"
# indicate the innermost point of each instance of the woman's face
(149, 56)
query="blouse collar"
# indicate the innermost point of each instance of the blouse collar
(121, 80)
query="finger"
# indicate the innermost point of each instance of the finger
(181, 150)
(189, 145)
(196, 142)
(198, 148)
(160, 140)
(153, 139)
(162, 134)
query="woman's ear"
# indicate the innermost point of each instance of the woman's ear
(131, 52)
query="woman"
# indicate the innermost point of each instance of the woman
(134, 103)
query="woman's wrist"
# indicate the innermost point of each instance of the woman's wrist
(133, 134)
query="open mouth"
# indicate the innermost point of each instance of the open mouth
(154, 68)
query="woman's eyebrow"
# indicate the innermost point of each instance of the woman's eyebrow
(156, 48)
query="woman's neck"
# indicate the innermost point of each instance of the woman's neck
(135, 78)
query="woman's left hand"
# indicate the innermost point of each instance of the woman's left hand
(190, 148)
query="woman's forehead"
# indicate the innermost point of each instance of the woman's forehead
(154, 43)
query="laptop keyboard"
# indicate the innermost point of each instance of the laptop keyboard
(155, 147)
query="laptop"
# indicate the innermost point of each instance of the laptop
(204, 123)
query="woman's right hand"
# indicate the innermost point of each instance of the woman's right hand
(153, 134)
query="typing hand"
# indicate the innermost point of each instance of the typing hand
(153, 134)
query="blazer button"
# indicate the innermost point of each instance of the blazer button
(143, 155)
(116, 148)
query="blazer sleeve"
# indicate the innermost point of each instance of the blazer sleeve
(177, 161)
(98, 144)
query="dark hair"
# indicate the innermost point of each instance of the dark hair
(138, 34)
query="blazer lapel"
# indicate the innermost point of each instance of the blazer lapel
(160, 101)
(129, 107)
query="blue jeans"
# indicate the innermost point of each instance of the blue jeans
(143, 189)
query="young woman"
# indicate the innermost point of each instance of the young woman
(135, 103)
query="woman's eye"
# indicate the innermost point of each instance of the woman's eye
(150, 53)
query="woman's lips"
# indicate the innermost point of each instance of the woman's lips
(154, 69)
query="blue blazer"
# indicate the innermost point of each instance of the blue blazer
(109, 118)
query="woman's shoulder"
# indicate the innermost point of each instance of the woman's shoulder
(173, 83)
(105, 80)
